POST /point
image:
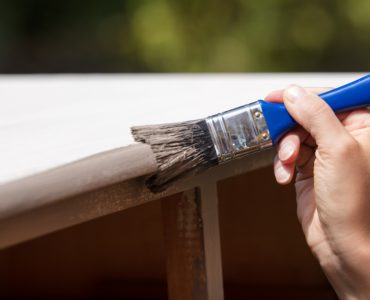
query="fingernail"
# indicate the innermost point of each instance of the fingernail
(282, 175)
(286, 150)
(294, 93)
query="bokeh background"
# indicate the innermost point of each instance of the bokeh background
(264, 252)
(184, 36)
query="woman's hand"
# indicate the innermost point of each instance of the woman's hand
(332, 157)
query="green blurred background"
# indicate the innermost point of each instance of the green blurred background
(184, 36)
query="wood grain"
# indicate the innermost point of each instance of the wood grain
(185, 254)
(212, 243)
(264, 254)
(75, 178)
(63, 136)
(193, 247)
(49, 214)
(48, 121)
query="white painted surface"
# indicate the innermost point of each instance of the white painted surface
(50, 120)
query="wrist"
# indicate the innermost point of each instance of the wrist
(348, 271)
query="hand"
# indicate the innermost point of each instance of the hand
(332, 157)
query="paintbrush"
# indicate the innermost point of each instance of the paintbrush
(188, 148)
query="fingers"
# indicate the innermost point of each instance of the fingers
(293, 150)
(320, 126)
(277, 96)
(288, 152)
(283, 172)
(315, 115)
(304, 161)
(356, 118)
(289, 145)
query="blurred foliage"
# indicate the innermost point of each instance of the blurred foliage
(184, 35)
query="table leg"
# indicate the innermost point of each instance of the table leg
(193, 255)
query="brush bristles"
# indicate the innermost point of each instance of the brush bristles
(180, 149)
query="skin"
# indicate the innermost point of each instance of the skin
(330, 155)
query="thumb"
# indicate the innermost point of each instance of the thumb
(315, 115)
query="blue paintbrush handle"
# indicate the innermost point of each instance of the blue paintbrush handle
(347, 97)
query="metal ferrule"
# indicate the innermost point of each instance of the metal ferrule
(239, 132)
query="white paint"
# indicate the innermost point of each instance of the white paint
(48, 121)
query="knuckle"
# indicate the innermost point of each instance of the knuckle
(347, 148)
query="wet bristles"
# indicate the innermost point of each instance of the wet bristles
(180, 149)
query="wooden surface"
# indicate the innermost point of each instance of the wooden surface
(122, 255)
(56, 214)
(193, 247)
(212, 243)
(75, 178)
(48, 121)
(62, 136)
(184, 242)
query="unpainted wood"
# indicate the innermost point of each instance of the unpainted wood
(39, 216)
(212, 243)
(75, 178)
(185, 255)
(264, 254)
(193, 248)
